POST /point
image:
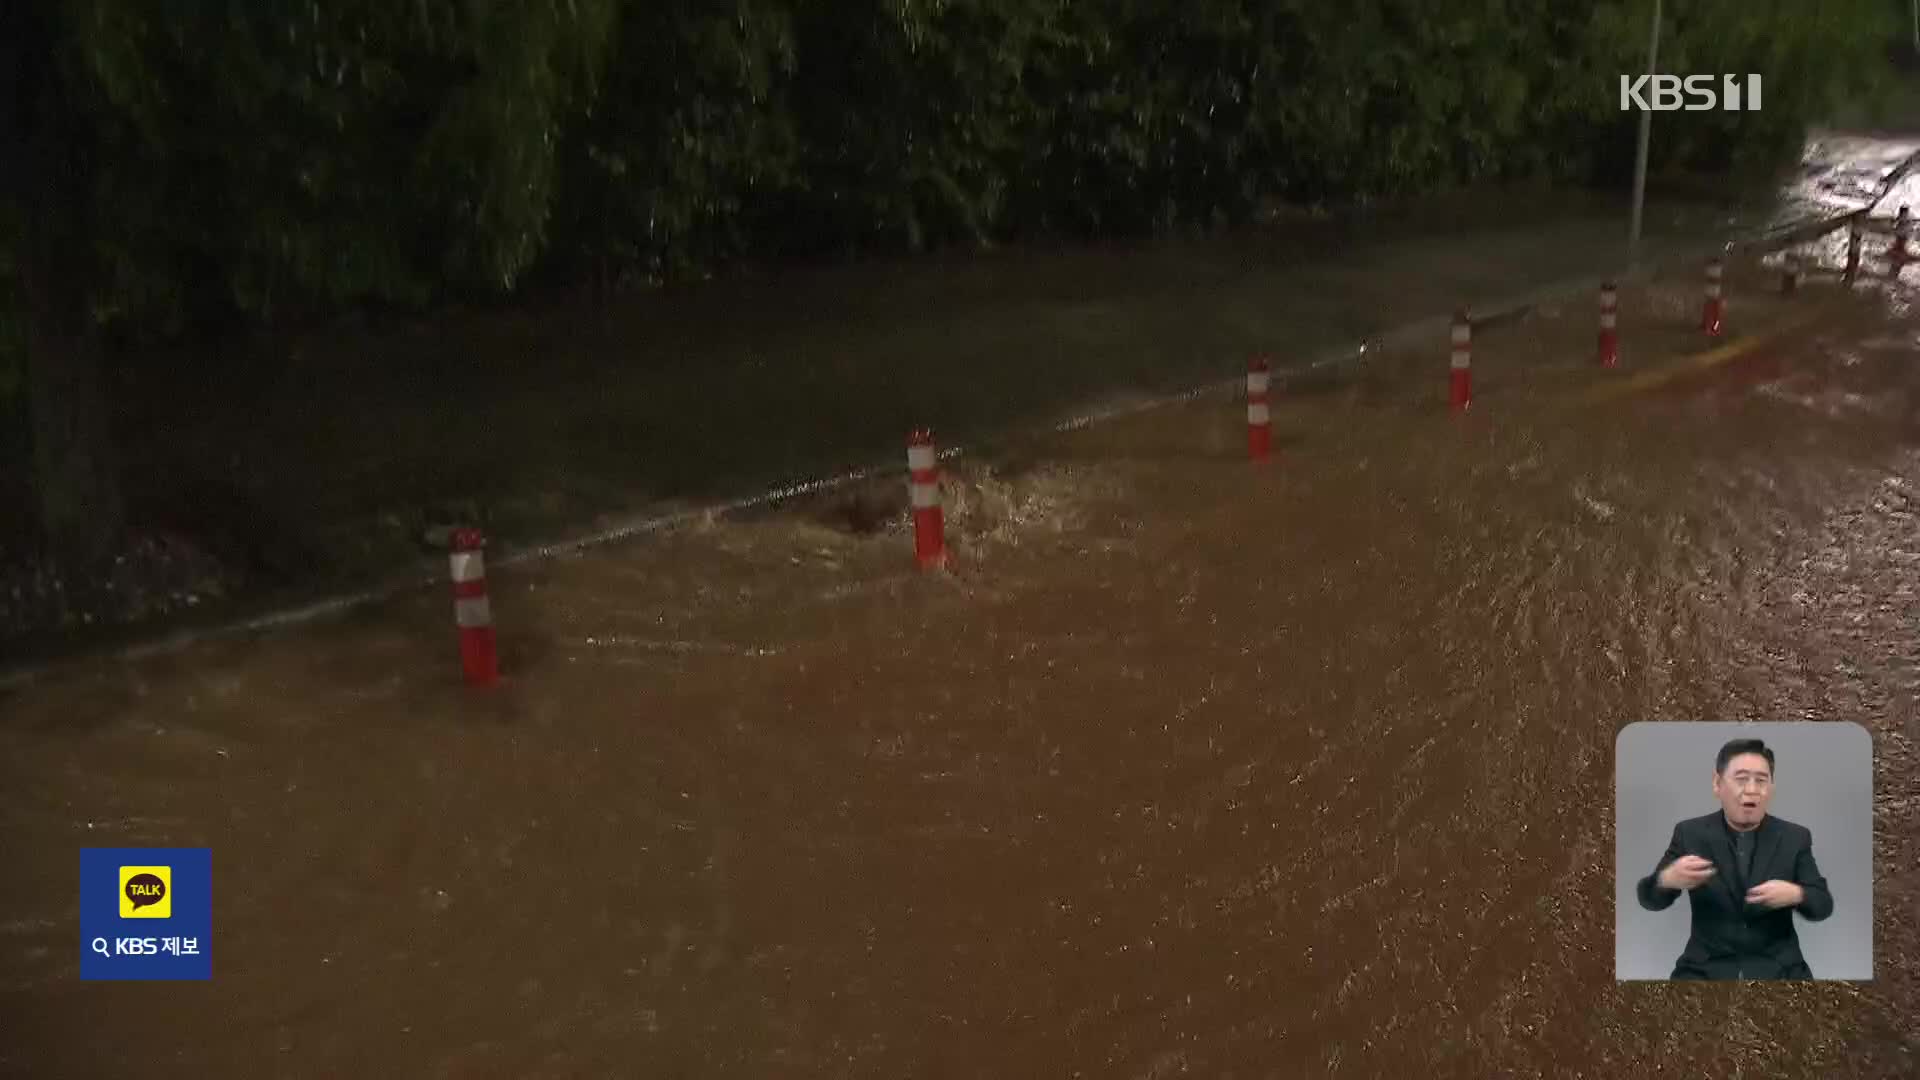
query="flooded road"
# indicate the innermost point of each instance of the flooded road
(1841, 171)
(1188, 767)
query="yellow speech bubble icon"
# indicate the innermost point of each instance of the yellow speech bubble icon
(146, 892)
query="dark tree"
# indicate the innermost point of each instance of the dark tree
(49, 149)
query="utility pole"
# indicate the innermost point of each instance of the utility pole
(1646, 133)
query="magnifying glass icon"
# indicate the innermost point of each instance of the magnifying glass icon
(100, 946)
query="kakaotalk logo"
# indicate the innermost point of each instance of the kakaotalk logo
(1663, 93)
(146, 892)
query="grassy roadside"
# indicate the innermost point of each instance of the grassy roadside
(335, 466)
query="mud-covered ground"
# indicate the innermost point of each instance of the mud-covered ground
(1187, 766)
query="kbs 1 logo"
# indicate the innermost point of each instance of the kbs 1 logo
(1662, 93)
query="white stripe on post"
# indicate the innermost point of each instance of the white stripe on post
(467, 566)
(472, 611)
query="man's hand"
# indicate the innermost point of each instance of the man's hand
(1776, 894)
(1690, 872)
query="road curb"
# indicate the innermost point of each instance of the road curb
(1501, 312)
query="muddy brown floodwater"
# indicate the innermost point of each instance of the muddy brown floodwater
(1188, 767)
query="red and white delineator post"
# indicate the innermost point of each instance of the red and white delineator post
(471, 612)
(1609, 325)
(923, 486)
(1460, 374)
(1713, 315)
(1259, 415)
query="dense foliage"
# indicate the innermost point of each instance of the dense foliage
(170, 167)
(781, 126)
(313, 152)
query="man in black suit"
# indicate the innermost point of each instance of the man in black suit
(1745, 873)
